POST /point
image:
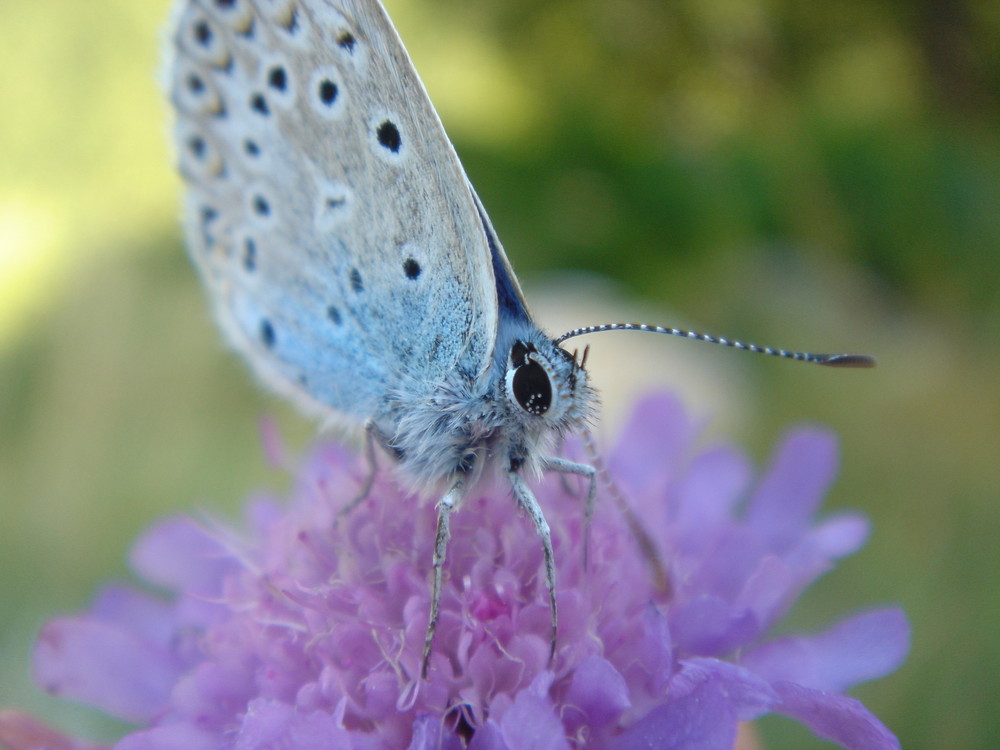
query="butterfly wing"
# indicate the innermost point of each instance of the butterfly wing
(326, 208)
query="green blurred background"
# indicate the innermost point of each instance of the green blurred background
(821, 175)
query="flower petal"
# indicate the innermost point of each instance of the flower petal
(214, 692)
(104, 666)
(428, 734)
(530, 723)
(711, 626)
(792, 489)
(145, 616)
(749, 695)
(597, 695)
(839, 536)
(835, 717)
(646, 659)
(488, 737)
(272, 725)
(701, 719)
(710, 489)
(861, 648)
(170, 737)
(653, 441)
(178, 555)
(772, 588)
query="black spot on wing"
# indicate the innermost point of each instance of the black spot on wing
(207, 216)
(197, 147)
(277, 78)
(259, 104)
(267, 335)
(261, 206)
(327, 91)
(346, 41)
(388, 136)
(411, 268)
(250, 254)
(203, 34)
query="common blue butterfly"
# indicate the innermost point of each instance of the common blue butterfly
(351, 262)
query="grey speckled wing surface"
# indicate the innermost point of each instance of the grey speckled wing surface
(326, 208)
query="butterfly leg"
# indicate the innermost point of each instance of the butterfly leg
(588, 472)
(563, 481)
(372, 435)
(661, 579)
(527, 500)
(444, 507)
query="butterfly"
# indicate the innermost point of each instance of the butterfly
(349, 259)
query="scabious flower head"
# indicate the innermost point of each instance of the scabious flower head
(302, 633)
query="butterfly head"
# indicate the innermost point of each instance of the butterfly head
(545, 382)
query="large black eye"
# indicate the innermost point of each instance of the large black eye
(532, 388)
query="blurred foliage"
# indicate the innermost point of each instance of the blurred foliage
(795, 173)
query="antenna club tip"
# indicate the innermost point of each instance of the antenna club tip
(849, 360)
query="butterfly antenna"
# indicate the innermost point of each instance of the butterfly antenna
(830, 360)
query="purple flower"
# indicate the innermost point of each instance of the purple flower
(303, 633)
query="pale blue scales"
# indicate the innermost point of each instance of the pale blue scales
(286, 101)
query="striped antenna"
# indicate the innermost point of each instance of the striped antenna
(830, 360)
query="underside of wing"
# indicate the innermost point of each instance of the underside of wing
(326, 208)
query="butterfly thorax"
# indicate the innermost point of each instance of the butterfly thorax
(533, 393)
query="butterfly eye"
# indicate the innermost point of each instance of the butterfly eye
(531, 388)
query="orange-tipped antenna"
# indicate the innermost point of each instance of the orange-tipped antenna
(830, 360)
